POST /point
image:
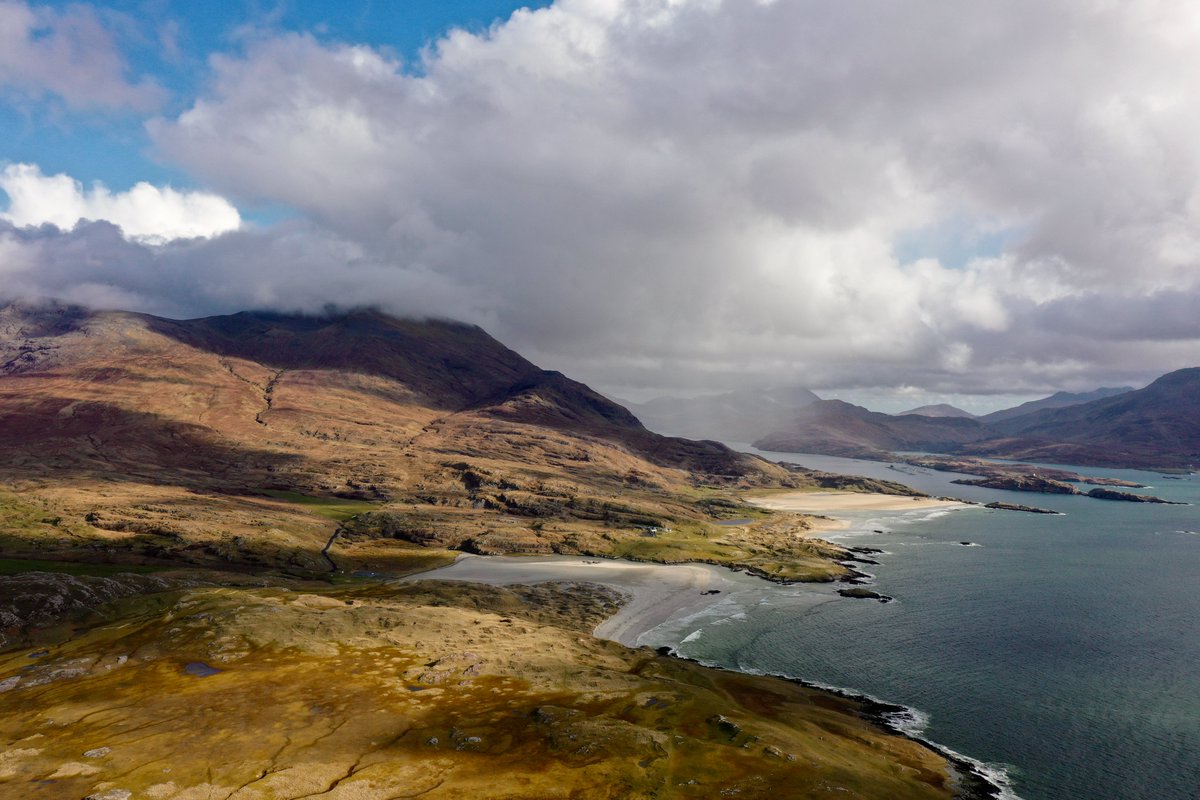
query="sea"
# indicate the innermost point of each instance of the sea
(1061, 652)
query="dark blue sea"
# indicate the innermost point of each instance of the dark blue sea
(1062, 651)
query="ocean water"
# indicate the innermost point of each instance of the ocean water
(1062, 651)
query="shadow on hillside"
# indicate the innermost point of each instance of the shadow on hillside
(451, 365)
(102, 441)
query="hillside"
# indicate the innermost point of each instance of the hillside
(1154, 427)
(740, 416)
(1157, 427)
(838, 428)
(1056, 400)
(350, 441)
(937, 410)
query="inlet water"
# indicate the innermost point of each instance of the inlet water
(1064, 649)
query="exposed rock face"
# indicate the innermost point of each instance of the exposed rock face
(32, 599)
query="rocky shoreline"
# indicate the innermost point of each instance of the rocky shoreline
(973, 784)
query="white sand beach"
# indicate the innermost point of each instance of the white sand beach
(831, 502)
(658, 593)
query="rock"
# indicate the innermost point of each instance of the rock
(1113, 494)
(725, 725)
(1093, 481)
(864, 594)
(1015, 507)
(548, 715)
(97, 752)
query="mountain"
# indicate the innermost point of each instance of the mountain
(834, 427)
(1151, 428)
(740, 416)
(340, 442)
(938, 410)
(1154, 427)
(1056, 400)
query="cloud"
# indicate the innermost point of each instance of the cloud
(69, 54)
(292, 267)
(145, 213)
(673, 194)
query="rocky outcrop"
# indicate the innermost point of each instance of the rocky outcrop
(1112, 494)
(1017, 507)
(1021, 483)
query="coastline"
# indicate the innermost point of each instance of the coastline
(658, 593)
(975, 780)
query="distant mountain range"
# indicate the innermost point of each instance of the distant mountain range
(740, 416)
(1154, 427)
(938, 410)
(1056, 400)
(838, 428)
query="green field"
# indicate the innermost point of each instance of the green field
(329, 507)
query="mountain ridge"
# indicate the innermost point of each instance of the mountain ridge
(1056, 400)
(1157, 426)
(937, 410)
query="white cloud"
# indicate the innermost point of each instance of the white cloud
(145, 213)
(68, 53)
(291, 267)
(693, 194)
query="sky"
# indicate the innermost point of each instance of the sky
(890, 203)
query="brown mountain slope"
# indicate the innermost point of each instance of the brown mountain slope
(206, 440)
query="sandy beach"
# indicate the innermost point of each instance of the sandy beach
(658, 593)
(832, 502)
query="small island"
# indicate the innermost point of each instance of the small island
(1037, 483)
